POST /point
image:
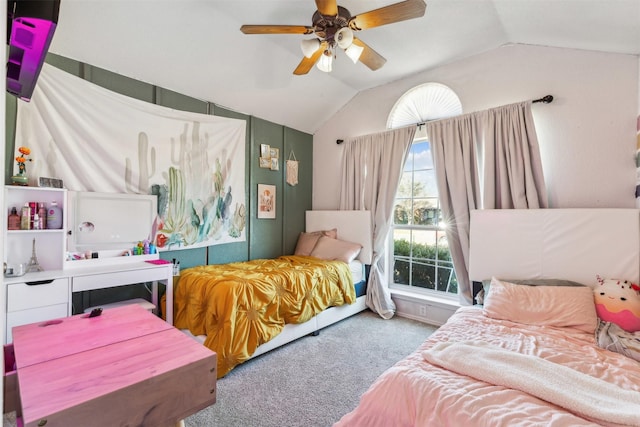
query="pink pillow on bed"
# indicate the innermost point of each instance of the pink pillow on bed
(307, 241)
(558, 306)
(334, 249)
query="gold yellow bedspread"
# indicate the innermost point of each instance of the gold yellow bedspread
(241, 305)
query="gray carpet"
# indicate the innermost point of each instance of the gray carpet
(314, 380)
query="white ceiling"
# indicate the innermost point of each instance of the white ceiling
(195, 47)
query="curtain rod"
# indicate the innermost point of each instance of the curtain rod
(545, 100)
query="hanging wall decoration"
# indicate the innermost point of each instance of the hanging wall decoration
(292, 169)
(98, 140)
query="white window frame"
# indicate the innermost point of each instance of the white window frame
(428, 101)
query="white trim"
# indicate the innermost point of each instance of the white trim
(452, 302)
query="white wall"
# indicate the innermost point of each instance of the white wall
(587, 135)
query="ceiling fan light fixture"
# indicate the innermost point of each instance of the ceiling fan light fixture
(353, 52)
(344, 37)
(309, 47)
(326, 61)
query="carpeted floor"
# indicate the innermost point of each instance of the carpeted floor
(312, 381)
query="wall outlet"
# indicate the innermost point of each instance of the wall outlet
(423, 310)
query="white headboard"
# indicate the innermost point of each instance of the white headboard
(572, 244)
(353, 226)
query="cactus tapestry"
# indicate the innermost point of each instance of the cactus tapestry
(97, 140)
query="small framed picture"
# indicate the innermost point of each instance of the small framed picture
(265, 162)
(274, 164)
(53, 182)
(266, 201)
(265, 151)
(274, 152)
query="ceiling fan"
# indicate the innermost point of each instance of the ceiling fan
(335, 27)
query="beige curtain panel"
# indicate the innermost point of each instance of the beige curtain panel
(484, 160)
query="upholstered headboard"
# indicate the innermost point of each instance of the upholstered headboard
(353, 226)
(572, 244)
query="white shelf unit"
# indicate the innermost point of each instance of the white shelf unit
(50, 244)
(45, 295)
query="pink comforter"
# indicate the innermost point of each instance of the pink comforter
(415, 393)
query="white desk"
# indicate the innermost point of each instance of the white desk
(46, 295)
(109, 276)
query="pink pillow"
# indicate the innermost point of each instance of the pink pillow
(557, 306)
(307, 241)
(334, 249)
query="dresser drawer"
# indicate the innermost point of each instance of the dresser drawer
(40, 314)
(23, 296)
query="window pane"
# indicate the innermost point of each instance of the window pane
(444, 275)
(425, 211)
(402, 254)
(408, 164)
(404, 186)
(401, 239)
(423, 244)
(401, 271)
(421, 152)
(401, 211)
(423, 275)
(443, 246)
(424, 184)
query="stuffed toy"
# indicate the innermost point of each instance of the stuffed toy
(618, 302)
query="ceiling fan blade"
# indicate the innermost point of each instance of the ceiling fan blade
(327, 7)
(306, 63)
(369, 57)
(276, 29)
(397, 12)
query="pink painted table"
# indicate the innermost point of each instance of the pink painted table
(125, 367)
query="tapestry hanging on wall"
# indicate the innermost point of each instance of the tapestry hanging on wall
(98, 140)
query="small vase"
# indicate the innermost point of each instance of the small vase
(20, 179)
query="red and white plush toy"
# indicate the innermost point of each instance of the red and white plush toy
(618, 301)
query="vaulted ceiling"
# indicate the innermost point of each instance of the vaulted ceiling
(195, 47)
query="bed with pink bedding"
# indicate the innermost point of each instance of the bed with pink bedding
(530, 355)
(415, 392)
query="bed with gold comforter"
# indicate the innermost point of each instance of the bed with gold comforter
(239, 306)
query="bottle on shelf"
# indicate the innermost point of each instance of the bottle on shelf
(25, 217)
(54, 216)
(13, 222)
(33, 206)
(42, 213)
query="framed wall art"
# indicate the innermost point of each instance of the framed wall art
(274, 164)
(266, 201)
(265, 151)
(265, 162)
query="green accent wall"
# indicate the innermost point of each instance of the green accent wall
(266, 234)
(297, 198)
(266, 238)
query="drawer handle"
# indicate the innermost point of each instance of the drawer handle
(39, 282)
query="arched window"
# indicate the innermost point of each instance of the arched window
(421, 258)
(429, 101)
